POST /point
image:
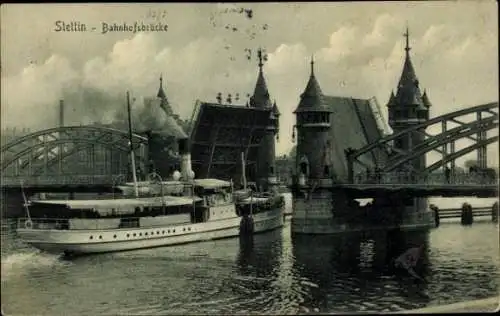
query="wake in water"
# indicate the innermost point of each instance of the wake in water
(22, 263)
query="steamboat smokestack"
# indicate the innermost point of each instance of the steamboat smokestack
(61, 113)
(187, 173)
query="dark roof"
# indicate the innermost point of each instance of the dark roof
(425, 100)
(276, 111)
(260, 98)
(220, 133)
(353, 124)
(312, 99)
(392, 100)
(161, 94)
(408, 92)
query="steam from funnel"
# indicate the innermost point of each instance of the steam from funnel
(187, 173)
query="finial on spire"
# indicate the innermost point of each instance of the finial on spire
(259, 55)
(161, 94)
(407, 35)
(312, 64)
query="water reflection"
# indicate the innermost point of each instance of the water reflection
(272, 273)
(349, 272)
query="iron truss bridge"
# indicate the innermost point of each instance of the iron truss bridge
(71, 156)
(486, 119)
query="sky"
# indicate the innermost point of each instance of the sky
(358, 49)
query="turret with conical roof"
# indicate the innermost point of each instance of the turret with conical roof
(312, 98)
(313, 125)
(163, 98)
(408, 108)
(266, 164)
(260, 98)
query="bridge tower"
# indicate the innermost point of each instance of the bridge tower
(266, 164)
(164, 104)
(313, 125)
(407, 108)
(312, 197)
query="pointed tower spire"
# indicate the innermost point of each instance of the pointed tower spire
(425, 100)
(392, 99)
(407, 35)
(312, 97)
(260, 98)
(408, 88)
(161, 94)
(312, 65)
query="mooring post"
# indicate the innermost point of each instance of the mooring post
(494, 212)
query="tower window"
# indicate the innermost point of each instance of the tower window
(326, 171)
(303, 167)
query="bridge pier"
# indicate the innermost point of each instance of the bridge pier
(321, 209)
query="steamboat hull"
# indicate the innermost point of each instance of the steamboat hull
(80, 242)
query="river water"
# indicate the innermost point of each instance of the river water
(274, 274)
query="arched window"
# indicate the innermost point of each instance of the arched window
(303, 167)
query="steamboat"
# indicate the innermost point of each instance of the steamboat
(150, 214)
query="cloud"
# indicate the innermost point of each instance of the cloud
(342, 43)
(455, 69)
(384, 28)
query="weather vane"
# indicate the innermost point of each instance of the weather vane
(262, 55)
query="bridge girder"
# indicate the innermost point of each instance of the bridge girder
(440, 140)
(488, 109)
(71, 137)
(460, 153)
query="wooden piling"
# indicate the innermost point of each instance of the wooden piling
(435, 209)
(494, 212)
(467, 218)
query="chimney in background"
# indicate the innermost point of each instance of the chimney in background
(187, 173)
(61, 113)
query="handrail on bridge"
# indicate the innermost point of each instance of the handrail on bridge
(390, 178)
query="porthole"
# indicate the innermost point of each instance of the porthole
(163, 232)
(146, 233)
(114, 236)
(140, 234)
(128, 235)
(184, 229)
(157, 232)
(169, 231)
(100, 237)
(189, 228)
(173, 231)
(152, 233)
(135, 234)
(91, 237)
